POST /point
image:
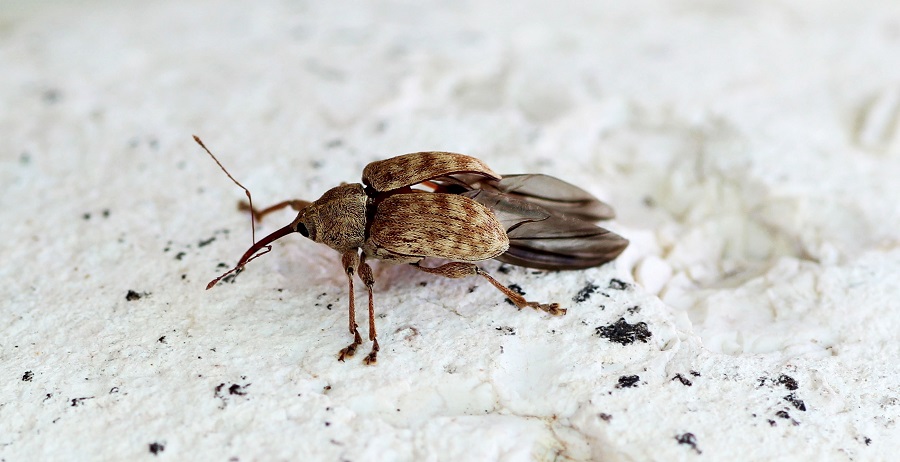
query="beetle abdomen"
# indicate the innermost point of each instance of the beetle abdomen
(436, 225)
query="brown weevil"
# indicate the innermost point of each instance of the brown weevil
(447, 206)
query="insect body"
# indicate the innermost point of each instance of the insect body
(453, 207)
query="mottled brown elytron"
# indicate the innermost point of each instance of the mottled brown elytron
(453, 207)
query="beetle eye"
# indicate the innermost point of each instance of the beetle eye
(301, 228)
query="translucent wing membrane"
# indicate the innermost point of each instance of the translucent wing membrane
(547, 233)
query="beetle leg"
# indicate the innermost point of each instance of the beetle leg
(461, 270)
(350, 260)
(258, 215)
(365, 274)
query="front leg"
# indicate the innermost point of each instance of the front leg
(350, 260)
(461, 270)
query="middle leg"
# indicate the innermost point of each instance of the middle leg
(365, 274)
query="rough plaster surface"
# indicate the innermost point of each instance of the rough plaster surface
(752, 151)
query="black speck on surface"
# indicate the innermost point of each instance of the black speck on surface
(505, 330)
(628, 381)
(503, 269)
(222, 265)
(132, 296)
(27, 376)
(78, 401)
(236, 389)
(180, 255)
(684, 381)
(688, 439)
(634, 310)
(623, 333)
(771, 422)
(113, 390)
(206, 242)
(585, 292)
(616, 284)
(105, 213)
(867, 440)
(695, 373)
(604, 416)
(795, 401)
(783, 415)
(86, 216)
(156, 448)
(788, 382)
(161, 339)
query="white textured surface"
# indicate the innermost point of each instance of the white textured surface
(752, 150)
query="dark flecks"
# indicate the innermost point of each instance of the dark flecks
(236, 389)
(867, 440)
(505, 330)
(161, 339)
(695, 373)
(180, 255)
(604, 416)
(788, 382)
(623, 333)
(634, 310)
(684, 381)
(156, 448)
(86, 216)
(795, 401)
(206, 242)
(783, 415)
(585, 292)
(77, 401)
(133, 295)
(688, 439)
(628, 381)
(27, 376)
(222, 265)
(113, 390)
(503, 269)
(105, 213)
(616, 284)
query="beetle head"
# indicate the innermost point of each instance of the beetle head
(337, 219)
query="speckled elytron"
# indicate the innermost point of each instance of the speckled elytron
(449, 206)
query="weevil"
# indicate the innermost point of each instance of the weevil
(448, 206)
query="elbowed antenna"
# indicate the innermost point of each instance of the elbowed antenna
(251, 254)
